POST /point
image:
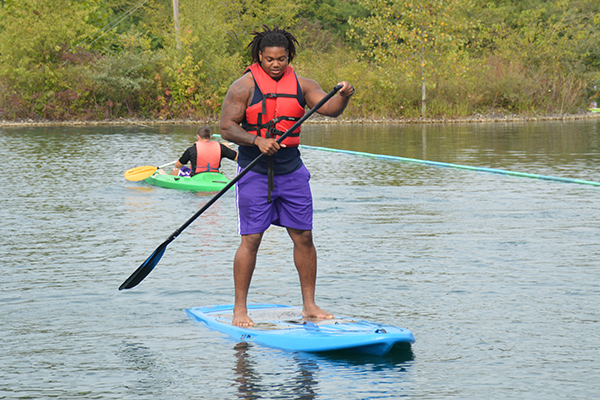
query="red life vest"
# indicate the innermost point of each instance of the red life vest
(279, 108)
(208, 156)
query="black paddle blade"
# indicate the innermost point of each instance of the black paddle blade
(146, 267)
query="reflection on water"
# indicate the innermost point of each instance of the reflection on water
(246, 377)
(298, 383)
(303, 375)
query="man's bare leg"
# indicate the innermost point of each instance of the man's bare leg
(243, 268)
(305, 258)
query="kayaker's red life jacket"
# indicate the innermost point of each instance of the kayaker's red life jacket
(279, 108)
(208, 156)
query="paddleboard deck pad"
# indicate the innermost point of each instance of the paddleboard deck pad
(282, 327)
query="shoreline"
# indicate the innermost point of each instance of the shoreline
(477, 119)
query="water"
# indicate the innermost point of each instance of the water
(497, 276)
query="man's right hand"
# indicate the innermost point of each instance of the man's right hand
(267, 146)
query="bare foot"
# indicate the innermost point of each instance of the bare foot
(315, 311)
(241, 318)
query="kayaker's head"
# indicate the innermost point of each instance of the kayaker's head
(273, 49)
(204, 134)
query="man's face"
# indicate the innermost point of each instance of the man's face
(274, 60)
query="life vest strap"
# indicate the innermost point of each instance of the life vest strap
(270, 127)
(274, 95)
(266, 96)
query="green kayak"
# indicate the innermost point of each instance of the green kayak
(203, 182)
(595, 110)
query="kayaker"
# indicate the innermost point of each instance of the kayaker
(258, 107)
(205, 155)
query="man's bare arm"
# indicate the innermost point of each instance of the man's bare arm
(335, 106)
(233, 111)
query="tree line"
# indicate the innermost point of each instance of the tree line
(97, 60)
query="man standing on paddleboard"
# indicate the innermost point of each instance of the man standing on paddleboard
(258, 108)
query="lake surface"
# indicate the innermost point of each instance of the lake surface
(497, 276)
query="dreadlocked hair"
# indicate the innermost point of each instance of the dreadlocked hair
(272, 38)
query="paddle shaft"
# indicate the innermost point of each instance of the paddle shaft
(167, 164)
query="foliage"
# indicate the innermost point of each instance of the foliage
(31, 42)
(96, 59)
(332, 15)
(414, 32)
(194, 78)
(553, 45)
(124, 80)
(33, 47)
(551, 33)
(412, 36)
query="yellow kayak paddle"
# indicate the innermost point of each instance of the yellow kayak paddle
(141, 173)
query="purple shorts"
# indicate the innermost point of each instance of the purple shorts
(291, 204)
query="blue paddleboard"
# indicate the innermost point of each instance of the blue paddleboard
(283, 327)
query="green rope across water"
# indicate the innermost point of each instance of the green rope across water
(443, 164)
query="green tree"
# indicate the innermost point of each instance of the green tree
(333, 15)
(239, 18)
(194, 78)
(37, 34)
(553, 46)
(416, 38)
(36, 38)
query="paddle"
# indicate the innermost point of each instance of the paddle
(148, 265)
(141, 173)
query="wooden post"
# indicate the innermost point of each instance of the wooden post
(423, 87)
(176, 18)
